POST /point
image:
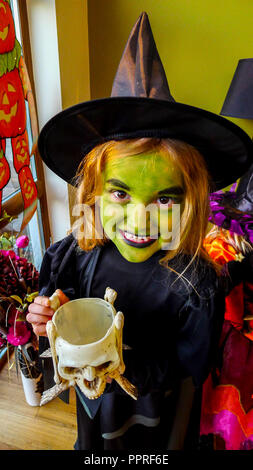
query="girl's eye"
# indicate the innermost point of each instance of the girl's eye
(120, 195)
(165, 200)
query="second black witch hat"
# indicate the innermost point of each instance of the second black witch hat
(233, 209)
(141, 105)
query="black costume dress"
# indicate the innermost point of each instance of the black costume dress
(172, 327)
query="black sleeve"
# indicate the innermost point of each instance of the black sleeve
(58, 268)
(46, 286)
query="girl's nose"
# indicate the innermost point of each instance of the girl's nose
(138, 218)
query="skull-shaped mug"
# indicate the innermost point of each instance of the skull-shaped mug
(85, 337)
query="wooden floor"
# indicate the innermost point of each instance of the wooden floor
(25, 427)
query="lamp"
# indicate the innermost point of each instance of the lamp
(239, 100)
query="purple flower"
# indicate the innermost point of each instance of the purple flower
(219, 218)
(249, 231)
(236, 228)
(215, 206)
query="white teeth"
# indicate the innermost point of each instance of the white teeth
(134, 238)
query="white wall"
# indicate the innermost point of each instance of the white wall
(44, 44)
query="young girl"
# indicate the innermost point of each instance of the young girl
(139, 158)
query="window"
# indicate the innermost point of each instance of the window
(37, 229)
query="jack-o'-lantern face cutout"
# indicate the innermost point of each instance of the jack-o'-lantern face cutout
(12, 105)
(4, 170)
(7, 28)
(20, 150)
(28, 186)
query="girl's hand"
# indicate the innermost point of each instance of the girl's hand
(40, 311)
(39, 314)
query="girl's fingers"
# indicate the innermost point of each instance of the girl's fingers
(39, 309)
(40, 312)
(40, 330)
(42, 300)
(36, 319)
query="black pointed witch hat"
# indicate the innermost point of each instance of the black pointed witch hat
(140, 71)
(141, 105)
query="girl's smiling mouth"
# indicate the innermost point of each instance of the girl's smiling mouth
(136, 240)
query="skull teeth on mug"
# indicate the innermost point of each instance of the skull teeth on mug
(85, 337)
(90, 379)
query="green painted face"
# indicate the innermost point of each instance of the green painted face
(136, 203)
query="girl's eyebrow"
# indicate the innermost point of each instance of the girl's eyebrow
(118, 183)
(172, 190)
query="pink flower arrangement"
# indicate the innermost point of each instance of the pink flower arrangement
(18, 288)
(10, 253)
(13, 271)
(18, 334)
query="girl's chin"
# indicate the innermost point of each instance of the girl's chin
(136, 254)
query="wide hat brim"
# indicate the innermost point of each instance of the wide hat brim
(67, 138)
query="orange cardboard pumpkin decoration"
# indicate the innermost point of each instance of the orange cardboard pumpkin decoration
(15, 90)
(28, 94)
(28, 186)
(7, 28)
(4, 172)
(20, 151)
(12, 105)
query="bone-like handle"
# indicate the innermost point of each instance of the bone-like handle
(119, 323)
(53, 392)
(51, 333)
(126, 385)
(110, 295)
(54, 301)
(57, 299)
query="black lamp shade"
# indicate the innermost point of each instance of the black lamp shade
(239, 99)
